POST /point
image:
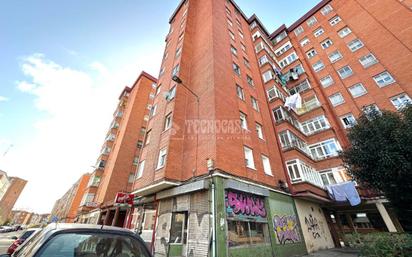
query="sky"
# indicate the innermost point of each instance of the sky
(63, 65)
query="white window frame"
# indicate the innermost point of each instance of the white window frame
(268, 75)
(335, 20)
(353, 90)
(288, 60)
(355, 45)
(318, 32)
(326, 43)
(348, 120)
(240, 93)
(398, 103)
(378, 78)
(327, 9)
(320, 64)
(259, 131)
(314, 125)
(334, 96)
(311, 53)
(243, 121)
(140, 169)
(346, 74)
(344, 32)
(249, 160)
(304, 41)
(326, 78)
(324, 149)
(284, 48)
(335, 56)
(168, 122)
(311, 21)
(161, 159)
(255, 103)
(299, 30)
(266, 165)
(368, 60)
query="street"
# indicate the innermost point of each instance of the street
(5, 240)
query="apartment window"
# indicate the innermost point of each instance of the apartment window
(325, 149)
(162, 70)
(288, 60)
(262, 60)
(301, 87)
(328, 177)
(240, 92)
(243, 121)
(233, 50)
(311, 21)
(293, 170)
(299, 30)
(312, 52)
(318, 32)
(147, 137)
(279, 37)
(254, 103)
(326, 81)
(317, 66)
(259, 47)
(401, 101)
(246, 62)
(158, 89)
(168, 121)
(241, 34)
(344, 32)
(140, 170)
(110, 137)
(336, 99)
(243, 47)
(178, 51)
(383, 79)
(314, 125)
(335, 20)
(326, 44)
(228, 11)
(283, 48)
(290, 140)
(259, 130)
(256, 35)
(230, 22)
(327, 9)
(236, 68)
(278, 113)
(348, 120)
(181, 36)
(161, 160)
(232, 36)
(298, 69)
(368, 60)
(153, 111)
(304, 41)
(266, 166)
(370, 109)
(175, 70)
(335, 56)
(171, 93)
(357, 90)
(249, 80)
(354, 45)
(275, 93)
(238, 22)
(268, 75)
(253, 25)
(250, 163)
(345, 72)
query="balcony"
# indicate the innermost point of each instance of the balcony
(289, 140)
(301, 172)
(308, 106)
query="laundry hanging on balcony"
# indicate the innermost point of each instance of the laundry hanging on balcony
(293, 102)
(343, 192)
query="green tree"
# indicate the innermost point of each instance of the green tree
(380, 157)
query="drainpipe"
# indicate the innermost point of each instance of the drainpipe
(214, 221)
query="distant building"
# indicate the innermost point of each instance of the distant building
(21, 217)
(65, 209)
(10, 190)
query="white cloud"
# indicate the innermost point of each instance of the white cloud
(3, 99)
(79, 106)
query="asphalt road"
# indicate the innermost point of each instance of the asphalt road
(6, 241)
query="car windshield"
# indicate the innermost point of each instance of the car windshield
(76, 244)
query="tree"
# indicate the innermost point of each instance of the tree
(380, 157)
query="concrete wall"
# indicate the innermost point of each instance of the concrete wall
(314, 226)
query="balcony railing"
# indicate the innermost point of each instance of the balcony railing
(308, 106)
(301, 172)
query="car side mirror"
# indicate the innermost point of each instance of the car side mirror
(14, 238)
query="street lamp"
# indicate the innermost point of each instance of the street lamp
(179, 81)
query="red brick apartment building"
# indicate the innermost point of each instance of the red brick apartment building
(10, 190)
(65, 208)
(116, 165)
(218, 166)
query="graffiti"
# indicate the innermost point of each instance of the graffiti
(313, 226)
(245, 204)
(286, 229)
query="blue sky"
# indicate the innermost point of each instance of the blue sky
(63, 64)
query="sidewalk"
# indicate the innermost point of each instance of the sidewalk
(336, 252)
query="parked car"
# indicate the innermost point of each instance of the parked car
(82, 240)
(5, 229)
(18, 241)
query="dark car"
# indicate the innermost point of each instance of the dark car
(82, 240)
(18, 241)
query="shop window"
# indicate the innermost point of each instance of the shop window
(178, 229)
(246, 233)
